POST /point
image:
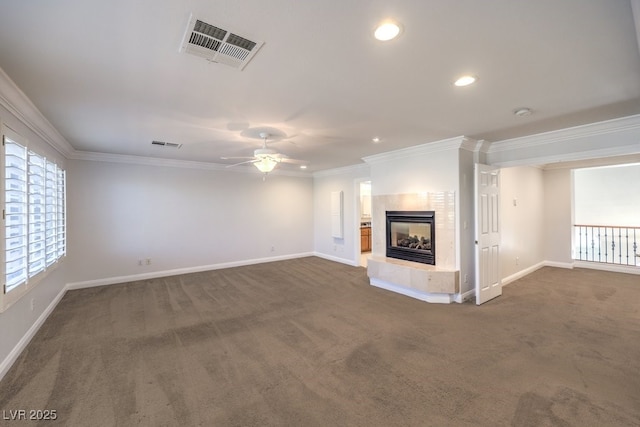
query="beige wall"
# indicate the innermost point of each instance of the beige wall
(522, 210)
(558, 216)
(180, 218)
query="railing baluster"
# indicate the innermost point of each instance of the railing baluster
(627, 243)
(620, 242)
(619, 245)
(636, 258)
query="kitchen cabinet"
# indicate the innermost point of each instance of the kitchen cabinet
(365, 239)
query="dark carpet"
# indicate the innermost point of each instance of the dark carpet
(308, 342)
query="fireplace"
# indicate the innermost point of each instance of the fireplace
(411, 236)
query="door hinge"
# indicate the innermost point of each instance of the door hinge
(3, 214)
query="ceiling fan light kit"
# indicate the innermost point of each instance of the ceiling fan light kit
(266, 159)
(266, 164)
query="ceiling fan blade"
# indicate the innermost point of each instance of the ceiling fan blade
(242, 163)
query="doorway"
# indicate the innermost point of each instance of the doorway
(364, 223)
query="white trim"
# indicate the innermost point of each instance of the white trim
(568, 265)
(460, 298)
(185, 164)
(615, 268)
(336, 259)
(428, 148)
(575, 156)
(567, 134)
(626, 159)
(359, 168)
(165, 273)
(616, 137)
(8, 361)
(14, 99)
(469, 144)
(520, 274)
(422, 296)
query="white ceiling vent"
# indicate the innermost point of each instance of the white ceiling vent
(218, 45)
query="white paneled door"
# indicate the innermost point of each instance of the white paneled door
(487, 197)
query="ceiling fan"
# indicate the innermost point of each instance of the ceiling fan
(265, 159)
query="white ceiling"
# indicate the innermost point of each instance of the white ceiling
(110, 78)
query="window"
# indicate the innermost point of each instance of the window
(34, 213)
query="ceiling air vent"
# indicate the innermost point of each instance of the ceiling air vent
(218, 45)
(166, 144)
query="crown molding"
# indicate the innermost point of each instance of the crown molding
(615, 137)
(458, 142)
(606, 127)
(357, 168)
(595, 162)
(16, 101)
(172, 163)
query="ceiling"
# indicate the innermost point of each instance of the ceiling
(110, 77)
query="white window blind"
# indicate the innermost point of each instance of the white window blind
(36, 214)
(61, 217)
(16, 215)
(35, 219)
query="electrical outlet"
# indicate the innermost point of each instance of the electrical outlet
(139, 262)
(517, 260)
(273, 248)
(147, 261)
(466, 278)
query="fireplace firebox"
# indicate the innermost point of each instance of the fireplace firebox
(411, 236)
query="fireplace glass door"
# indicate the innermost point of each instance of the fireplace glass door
(411, 236)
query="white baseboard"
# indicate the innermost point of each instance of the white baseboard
(337, 259)
(460, 298)
(173, 272)
(8, 362)
(520, 274)
(422, 296)
(568, 265)
(629, 269)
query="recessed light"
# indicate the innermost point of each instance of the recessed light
(387, 31)
(465, 80)
(376, 140)
(303, 166)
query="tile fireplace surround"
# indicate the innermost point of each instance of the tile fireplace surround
(439, 283)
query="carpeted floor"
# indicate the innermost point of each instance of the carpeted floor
(308, 342)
